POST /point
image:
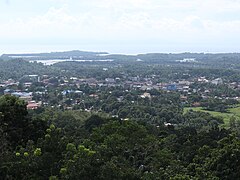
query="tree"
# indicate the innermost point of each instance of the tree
(15, 123)
(14, 119)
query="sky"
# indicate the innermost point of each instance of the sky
(120, 26)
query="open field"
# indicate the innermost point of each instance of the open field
(226, 116)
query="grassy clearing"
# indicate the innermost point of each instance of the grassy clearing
(226, 116)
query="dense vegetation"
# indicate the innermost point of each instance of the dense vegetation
(73, 144)
(17, 68)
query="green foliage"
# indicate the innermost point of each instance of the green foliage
(15, 122)
(93, 122)
(85, 146)
(26, 154)
(37, 152)
(17, 68)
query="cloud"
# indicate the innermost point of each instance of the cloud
(148, 20)
(7, 2)
(60, 22)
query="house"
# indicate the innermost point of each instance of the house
(26, 98)
(32, 105)
(93, 95)
(183, 98)
(27, 84)
(78, 92)
(120, 99)
(145, 88)
(217, 81)
(8, 91)
(110, 80)
(134, 78)
(146, 95)
(73, 78)
(23, 96)
(34, 78)
(167, 124)
(65, 92)
(202, 80)
(196, 104)
(172, 87)
(185, 88)
(184, 83)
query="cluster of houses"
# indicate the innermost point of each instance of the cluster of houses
(23, 95)
(26, 96)
(72, 85)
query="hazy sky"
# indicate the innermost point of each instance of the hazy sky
(120, 26)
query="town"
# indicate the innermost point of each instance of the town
(68, 92)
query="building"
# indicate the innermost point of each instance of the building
(172, 87)
(8, 91)
(217, 81)
(32, 105)
(23, 96)
(146, 95)
(110, 80)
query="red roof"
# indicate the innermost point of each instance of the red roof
(32, 106)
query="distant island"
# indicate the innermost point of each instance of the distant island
(228, 60)
(54, 55)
